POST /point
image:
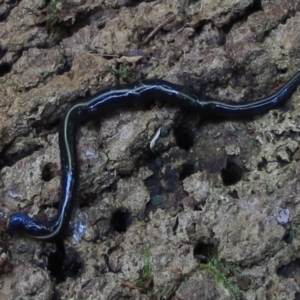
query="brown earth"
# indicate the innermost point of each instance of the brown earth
(198, 215)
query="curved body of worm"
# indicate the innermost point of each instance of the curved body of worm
(132, 94)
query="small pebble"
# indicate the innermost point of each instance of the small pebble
(284, 216)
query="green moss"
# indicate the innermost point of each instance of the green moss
(124, 72)
(145, 281)
(222, 270)
(53, 13)
(147, 262)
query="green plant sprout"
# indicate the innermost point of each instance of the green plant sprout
(222, 270)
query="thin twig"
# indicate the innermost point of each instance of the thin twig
(132, 286)
(135, 287)
(170, 19)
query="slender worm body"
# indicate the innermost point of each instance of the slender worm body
(133, 94)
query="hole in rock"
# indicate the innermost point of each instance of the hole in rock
(231, 174)
(5, 68)
(183, 137)
(48, 172)
(120, 219)
(185, 171)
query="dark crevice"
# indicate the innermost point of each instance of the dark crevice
(47, 2)
(288, 237)
(199, 26)
(255, 7)
(111, 250)
(285, 18)
(148, 209)
(86, 198)
(107, 263)
(297, 296)
(11, 5)
(234, 194)
(285, 135)
(184, 137)
(55, 262)
(8, 155)
(291, 270)
(9, 159)
(137, 2)
(49, 123)
(5, 68)
(290, 14)
(204, 251)
(152, 205)
(262, 164)
(55, 295)
(66, 67)
(45, 206)
(231, 174)
(64, 263)
(186, 170)
(120, 219)
(48, 172)
(281, 162)
(132, 3)
(174, 229)
(2, 52)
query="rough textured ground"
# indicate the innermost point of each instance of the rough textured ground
(212, 212)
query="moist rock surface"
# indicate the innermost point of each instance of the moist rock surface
(210, 210)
